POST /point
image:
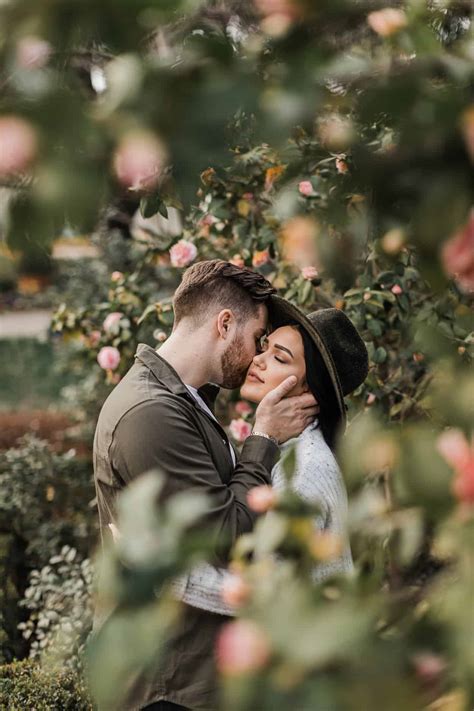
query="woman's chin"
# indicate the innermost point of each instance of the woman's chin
(251, 392)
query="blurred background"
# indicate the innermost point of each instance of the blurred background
(330, 146)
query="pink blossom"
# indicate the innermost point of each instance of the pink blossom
(248, 196)
(261, 498)
(108, 358)
(260, 258)
(32, 52)
(116, 276)
(242, 408)
(459, 454)
(428, 666)
(305, 187)
(18, 145)
(235, 591)
(370, 399)
(183, 253)
(396, 289)
(387, 22)
(309, 273)
(242, 648)
(94, 338)
(341, 166)
(112, 320)
(139, 160)
(240, 429)
(457, 255)
(208, 220)
(237, 261)
(160, 336)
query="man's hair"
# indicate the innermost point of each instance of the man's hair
(208, 287)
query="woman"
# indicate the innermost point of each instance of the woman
(327, 355)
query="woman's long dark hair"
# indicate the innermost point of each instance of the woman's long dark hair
(320, 384)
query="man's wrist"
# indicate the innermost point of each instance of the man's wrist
(260, 433)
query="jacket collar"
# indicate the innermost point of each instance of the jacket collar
(169, 378)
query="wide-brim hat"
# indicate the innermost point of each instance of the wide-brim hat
(336, 338)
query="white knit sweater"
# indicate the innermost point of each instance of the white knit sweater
(318, 480)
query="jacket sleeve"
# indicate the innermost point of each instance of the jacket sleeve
(158, 434)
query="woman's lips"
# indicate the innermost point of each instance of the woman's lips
(254, 376)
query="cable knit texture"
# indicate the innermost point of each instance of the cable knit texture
(318, 480)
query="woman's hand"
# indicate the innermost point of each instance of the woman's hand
(284, 417)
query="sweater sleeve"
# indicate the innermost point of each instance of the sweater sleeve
(318, 480)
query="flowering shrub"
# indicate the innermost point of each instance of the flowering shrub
(349, 185)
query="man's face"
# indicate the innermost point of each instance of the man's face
(243, 348)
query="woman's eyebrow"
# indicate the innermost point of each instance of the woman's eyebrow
(282, 348)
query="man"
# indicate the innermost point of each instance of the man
(160, 416)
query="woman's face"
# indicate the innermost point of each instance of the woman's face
(282, 355)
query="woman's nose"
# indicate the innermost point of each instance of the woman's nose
(259, 360)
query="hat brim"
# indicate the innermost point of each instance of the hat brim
(281, 309)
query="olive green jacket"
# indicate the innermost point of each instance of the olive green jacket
(151, 421)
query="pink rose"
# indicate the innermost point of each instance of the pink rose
(428, 666)
(242, 408)
(108, 358)
(208, 220)
(116, 276)
(305, 188)
(183, 253)
(240, 429)
(309, 273)
(18, 145)
(459, 454)
(94, 338)
(237, 261)
(396, 289)
(111, 321)
(242, 648)
(387, 22)
(457, 255)
(159, 336)
(260, 258)
(139, 160)
(235, 591)
(261, 498)
(341, 166)
(32, 52)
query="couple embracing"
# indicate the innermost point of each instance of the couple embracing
(230, 330)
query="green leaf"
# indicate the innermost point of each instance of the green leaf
(380, 355)
(151, 204)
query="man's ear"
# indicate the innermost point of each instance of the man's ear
(225, 323)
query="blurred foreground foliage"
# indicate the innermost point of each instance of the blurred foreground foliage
(348, 183)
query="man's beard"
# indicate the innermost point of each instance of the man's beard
(233, 370)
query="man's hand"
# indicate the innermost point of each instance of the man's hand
(285, 417)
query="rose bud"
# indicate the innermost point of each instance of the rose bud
(139, 160)
(261, 498)
(240, 429)
(387, 22)
(235, 591)
(112, 320)
(305, 188)
(242, 648)
(18, 145)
